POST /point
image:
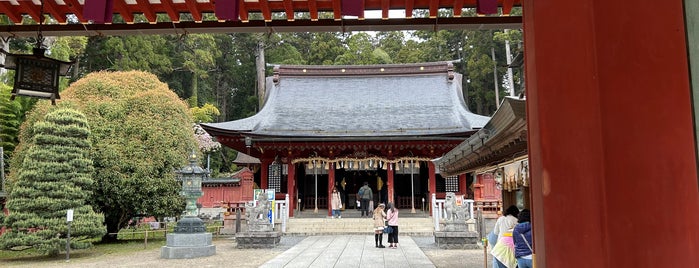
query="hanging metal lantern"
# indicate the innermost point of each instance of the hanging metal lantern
(35, 74)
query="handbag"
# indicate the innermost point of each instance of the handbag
(388, 230)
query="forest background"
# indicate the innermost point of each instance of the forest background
(225, 72)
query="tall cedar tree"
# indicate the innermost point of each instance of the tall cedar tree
(55, 176)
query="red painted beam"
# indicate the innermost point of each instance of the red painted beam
(147, 10)
(289, 9)
(126, 13)
(507, 6)
(313, 10)
(434, 8)
(266, 13)
(458, 8)
(384, 9)
(409, 8)
(11, 11)
(361, 16)
(243, 11)
(76, 8)
(193, 9)
(337, 9)
(167, 5)
(34, 11)
(52, 8)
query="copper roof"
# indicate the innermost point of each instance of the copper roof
(371, 102)
(503, 138)
(242, 158)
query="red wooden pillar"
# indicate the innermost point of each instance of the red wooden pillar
(611, 143)
(331, 184)
(291, 187)
(431, 183)
(264, 172)
(390, 173)
(463, 189)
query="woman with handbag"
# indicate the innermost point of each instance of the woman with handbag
(336, 203)
(392, 217)
(379, 218)
(522, 236)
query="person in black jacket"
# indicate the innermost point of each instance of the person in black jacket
(522, 236)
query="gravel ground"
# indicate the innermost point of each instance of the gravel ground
(227, 255)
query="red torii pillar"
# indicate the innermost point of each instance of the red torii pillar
(331, 184)
(390, 174)
(431, 183)
(611, 136)
(291, 187)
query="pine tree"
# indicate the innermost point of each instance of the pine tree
(56, 175)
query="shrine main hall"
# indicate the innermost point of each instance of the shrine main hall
(325, 126)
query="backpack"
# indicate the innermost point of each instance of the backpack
(361, 192)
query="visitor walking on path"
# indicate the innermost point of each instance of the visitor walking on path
(504, 224)
(392, 218)
(336, 203)
(522, 236)
(365, 195)
(379, 223)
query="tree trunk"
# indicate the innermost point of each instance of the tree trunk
(260, 67)
(222, 95)
(193, 102)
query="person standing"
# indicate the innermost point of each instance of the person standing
(504, 251)
(392, 218)
(336, 203)
(383, 193)
(522, 236)
(365, 195)
(504, 224)
(379, 223)
(341, 189)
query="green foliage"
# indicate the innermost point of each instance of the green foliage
(205, 114)
(10, 115)
(141, 132)
(150, 53)
(56, 175)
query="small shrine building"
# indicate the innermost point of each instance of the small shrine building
(325, 126)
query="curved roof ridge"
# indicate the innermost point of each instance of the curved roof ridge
(445, 67)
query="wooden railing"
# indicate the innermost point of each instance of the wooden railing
(309, 202)
(489, 207)
(403, 202)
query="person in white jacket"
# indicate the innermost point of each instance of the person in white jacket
(502, 225)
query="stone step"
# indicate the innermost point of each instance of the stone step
(315, 226)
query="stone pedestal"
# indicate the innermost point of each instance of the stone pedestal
(258, 239)
(456, 235)
(187, 246)
(231, 225)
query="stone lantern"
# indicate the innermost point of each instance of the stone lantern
(190, 239)
(191, 177)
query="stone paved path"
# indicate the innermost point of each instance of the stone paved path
(227, 255)
(350, 251)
